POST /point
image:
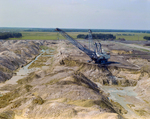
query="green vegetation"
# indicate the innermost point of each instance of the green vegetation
(7, 115)
(44, 47)
(36, 65)
(130, 105)
(69, 62)
(141, 112)
(50, 34)
(18, 103)
(44, 35)
(147, 38)
(16, 92)
(133, 36)
(39, 36)
(27, 79)
(8, 97)
(28, 87)
(38, 100)
(39, 62)
(6, 35)
(54, 35)
(97, 36)
(43, 59)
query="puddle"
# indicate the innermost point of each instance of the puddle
(24, 71)
(118, 94)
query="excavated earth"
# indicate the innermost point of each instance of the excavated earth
(65, 86)
(14, 54)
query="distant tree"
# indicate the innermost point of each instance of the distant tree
(81, 36)
(98, 36)
(6, 35)
(146, 37)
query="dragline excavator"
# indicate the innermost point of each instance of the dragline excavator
(97, 54)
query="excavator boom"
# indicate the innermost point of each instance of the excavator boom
(97, 55)
(76, 43)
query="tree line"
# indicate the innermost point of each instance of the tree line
(146, 37)
(7, 35)
(98, 36)
(84, 30)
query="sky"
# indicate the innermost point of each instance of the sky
(84, 14)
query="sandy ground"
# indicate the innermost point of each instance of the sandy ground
(68, 87)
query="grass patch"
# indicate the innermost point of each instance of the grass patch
(38, 36)
(44, 47)
(43, 59)
(134, 36)
(141, 112)
(28, 87)
(18, 103)
(54, 35)
(130, 105)
(39, 62)
(45, 35)
(7, 115)
(36, 65)
(8, 97)
(38, 100)
(69, 62)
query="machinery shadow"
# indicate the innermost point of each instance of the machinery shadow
(111, 62)
(108, 63)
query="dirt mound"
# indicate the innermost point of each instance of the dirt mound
(14, 54)
(70, 87)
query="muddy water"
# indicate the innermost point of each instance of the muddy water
(24, 71)
(118, 94)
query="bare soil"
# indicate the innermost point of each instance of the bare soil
(71, 88)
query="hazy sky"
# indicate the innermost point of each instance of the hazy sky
(94, 14)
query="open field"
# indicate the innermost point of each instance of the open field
(54, 35)
(131, 36)
(128, 35)
(44, 35)
(48, 34)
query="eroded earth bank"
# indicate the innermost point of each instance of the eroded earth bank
(62, 85)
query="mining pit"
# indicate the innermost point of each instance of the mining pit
(58, 83)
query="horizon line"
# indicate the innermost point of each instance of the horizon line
(78, 28)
